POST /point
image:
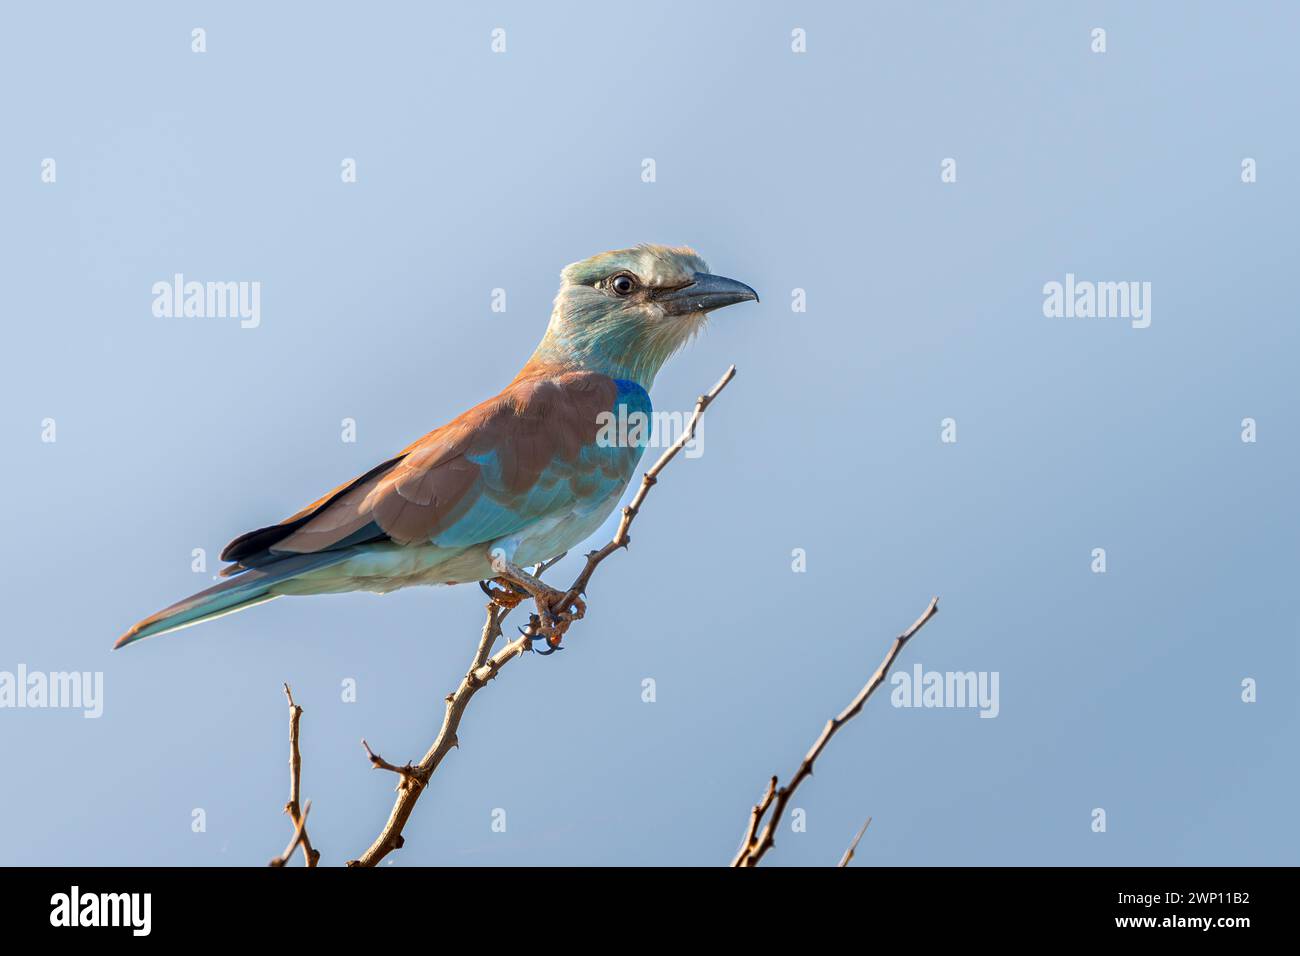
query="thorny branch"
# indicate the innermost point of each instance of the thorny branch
(412, 779)
(776, 798)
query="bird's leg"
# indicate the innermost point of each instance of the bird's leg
(553, 616)
(505, 595)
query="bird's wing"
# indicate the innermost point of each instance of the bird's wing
(529, 452)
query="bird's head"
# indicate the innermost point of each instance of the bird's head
(625, 312)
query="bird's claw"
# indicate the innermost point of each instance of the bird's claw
(534, 630)
(550, 649)
(506, 595)
(552, 619)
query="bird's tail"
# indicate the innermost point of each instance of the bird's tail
(251, 587)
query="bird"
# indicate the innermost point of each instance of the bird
(513, 482)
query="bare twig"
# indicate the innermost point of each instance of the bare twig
(756, 846)
(756, 814)
(485, 665)
(310, 856)
(413, 778)
(299, 837)
(848, 854)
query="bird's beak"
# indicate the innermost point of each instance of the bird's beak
(704, 294)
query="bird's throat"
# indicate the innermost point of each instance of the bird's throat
(632, 352)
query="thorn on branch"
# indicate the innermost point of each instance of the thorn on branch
(409, 773)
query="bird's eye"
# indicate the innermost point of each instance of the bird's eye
(622, 284)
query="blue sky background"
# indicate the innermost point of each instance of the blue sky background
(818, 171)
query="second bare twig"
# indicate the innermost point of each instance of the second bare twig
(757, 844)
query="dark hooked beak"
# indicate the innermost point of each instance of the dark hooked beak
(704, 294)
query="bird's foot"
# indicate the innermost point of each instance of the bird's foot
(553, 617)
(506, 595)
(555, 609)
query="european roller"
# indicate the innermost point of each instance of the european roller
(514, 481)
